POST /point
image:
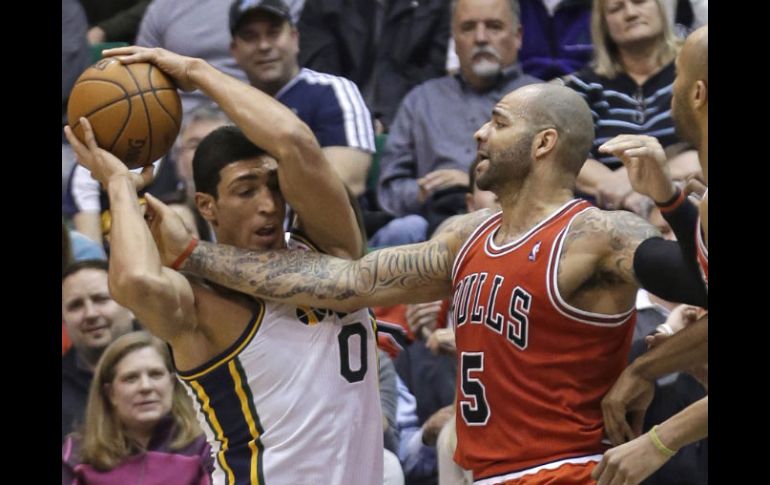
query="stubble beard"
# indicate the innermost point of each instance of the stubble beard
(510, 165)
(685, 125)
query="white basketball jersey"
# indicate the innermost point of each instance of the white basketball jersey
(295, 400)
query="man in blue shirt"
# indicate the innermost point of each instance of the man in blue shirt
(430, 146)
(265, 44)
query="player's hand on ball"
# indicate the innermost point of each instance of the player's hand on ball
(175, 65)
(102, 164)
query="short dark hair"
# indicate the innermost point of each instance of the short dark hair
(221, 147)
(84, 264)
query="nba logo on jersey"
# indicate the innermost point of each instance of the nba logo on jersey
(533, 254)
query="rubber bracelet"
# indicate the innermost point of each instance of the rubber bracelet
(186, 254)
(659, 444)
(672, 203)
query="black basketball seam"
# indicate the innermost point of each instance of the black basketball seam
(146, 113)
(125, 123)
(126, 97)
(155, 94)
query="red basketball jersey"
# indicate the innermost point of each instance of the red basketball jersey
(702, 253)
(532, 369)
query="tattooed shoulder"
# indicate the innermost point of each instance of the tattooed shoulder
(460, 227)
(612, 237)
(617, 228)
(624, 225)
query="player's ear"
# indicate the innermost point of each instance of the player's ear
(205, 204)
(700, 94)
(544, 142)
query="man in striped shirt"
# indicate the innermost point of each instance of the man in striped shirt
(628, 88)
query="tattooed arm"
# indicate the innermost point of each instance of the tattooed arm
(403, 274)
(626, 231)
(596, 266)
(596, 271)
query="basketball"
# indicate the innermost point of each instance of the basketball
(134, 110)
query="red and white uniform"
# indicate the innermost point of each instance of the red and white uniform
(532, 369)
(702, 253)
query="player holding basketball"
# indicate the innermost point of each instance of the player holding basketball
(543, 291)
(285, 394)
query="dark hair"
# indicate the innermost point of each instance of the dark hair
(84, 264)
(221, 147)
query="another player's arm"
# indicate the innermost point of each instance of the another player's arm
(687, 426)
(633, 462)
(160, 298)
(305, 176)
(683, 350)
(403, 274)
(686, 348)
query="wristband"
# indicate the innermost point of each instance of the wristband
(659, 444)
(673, 202)
(186, 254)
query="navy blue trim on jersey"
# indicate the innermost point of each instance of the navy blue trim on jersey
(233, 350)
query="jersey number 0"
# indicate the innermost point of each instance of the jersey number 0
(344, 340)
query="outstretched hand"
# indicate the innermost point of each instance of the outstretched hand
(645, 160)
(102, 164)
(175, 65)
(167, 227)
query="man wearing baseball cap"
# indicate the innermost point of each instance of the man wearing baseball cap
(265, 44)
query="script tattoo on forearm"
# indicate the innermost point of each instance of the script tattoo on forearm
(284, 274)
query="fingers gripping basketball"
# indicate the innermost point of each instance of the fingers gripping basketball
(134, 109)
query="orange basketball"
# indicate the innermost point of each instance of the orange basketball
(134, 109)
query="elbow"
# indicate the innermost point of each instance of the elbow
(127, 288)
(296, 137)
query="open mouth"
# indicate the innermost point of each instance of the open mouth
(266, 231)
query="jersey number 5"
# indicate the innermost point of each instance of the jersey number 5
(473, 404)
(344, 340)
